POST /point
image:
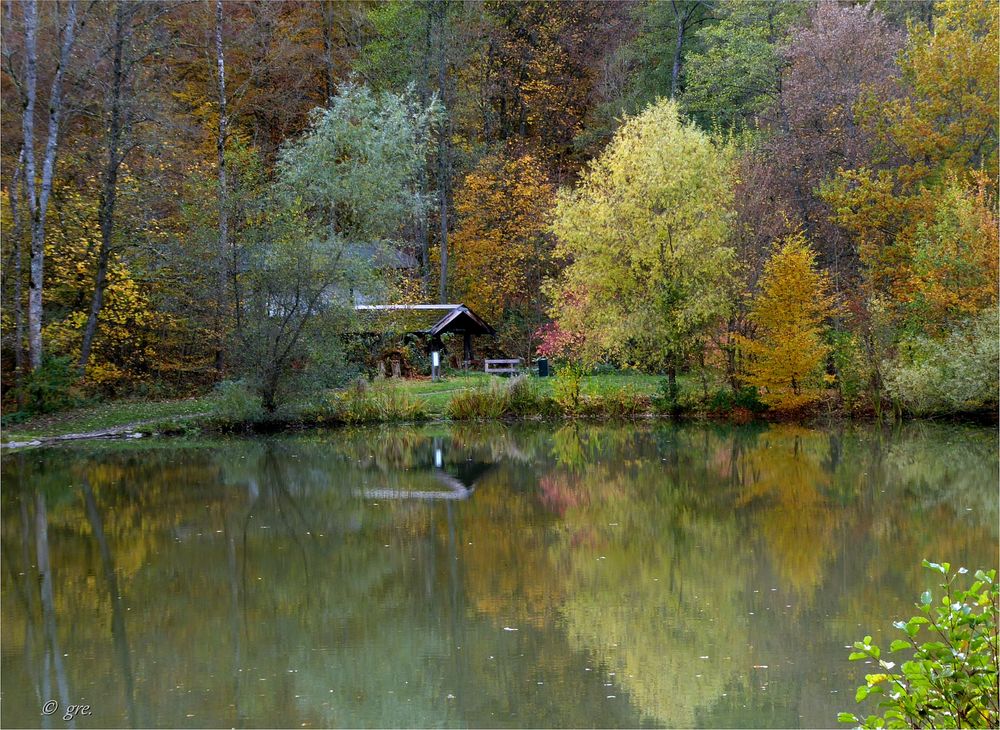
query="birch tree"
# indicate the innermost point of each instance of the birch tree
(39, 190)
(220, 145)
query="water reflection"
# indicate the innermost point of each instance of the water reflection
(476, 576)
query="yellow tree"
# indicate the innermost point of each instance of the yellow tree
(646, 234)
(501, 250)
(955, 259)
(943, 126)
(786, 355)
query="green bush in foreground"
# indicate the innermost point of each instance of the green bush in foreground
(951, 681)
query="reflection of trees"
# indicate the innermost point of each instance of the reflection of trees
(643, 592)
(784, 482)
(118, 631)
(635, 550)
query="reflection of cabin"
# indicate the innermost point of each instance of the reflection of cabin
(459, 480)
(426, 321)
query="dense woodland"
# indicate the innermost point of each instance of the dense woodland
(797, 197)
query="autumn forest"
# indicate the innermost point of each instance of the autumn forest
(782, 203)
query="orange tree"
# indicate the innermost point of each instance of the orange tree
(501, 249)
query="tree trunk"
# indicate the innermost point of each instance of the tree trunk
(675, 72)
(38, 200)
(327, 11)
(30, 10)
(109, 184)
(443, 152)
(423, 229)
(223, 192)
(17, 184)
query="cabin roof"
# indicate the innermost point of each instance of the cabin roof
(425, 319)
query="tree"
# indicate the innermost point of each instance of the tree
(504, 206)
(645, 236)
(220, 146)
(444, 134)
(736, 74)
(787, 352)
(534, 72)
(845, 53)
(955, 259)
(129, 43)
(346, 187)
(943, 126)
(39, 191)
(664, 41)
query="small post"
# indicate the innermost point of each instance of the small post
(435, 365)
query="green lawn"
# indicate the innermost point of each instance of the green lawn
(107, 415)
(436, 395)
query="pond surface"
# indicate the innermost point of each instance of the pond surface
(528, 576)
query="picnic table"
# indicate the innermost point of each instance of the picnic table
(503, 367)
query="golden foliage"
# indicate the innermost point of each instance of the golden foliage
(943, 127)
(501, 251)
(787, 353)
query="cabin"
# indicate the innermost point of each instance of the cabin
(426, 322)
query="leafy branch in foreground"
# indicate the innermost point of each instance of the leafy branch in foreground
(951, 680)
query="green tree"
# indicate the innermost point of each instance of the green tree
(645, 233)
(736, 73)
(346, 188)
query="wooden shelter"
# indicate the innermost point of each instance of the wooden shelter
(430, 321)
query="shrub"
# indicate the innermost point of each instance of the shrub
(951, 679)
(523, 398)
(394, 404)
(746, 398)
(666, 400)
(958, 374)
(52, 387)
(566, 388)
(237, 403)
(353, 404)
(617, 403)
(515, 397)
(854, 372)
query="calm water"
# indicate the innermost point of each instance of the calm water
(541, 576)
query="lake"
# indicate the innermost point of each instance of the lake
(502, 576)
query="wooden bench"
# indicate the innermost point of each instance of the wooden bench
(503, 367)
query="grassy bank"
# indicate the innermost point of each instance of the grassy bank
(111, 415)
(389, 401)
(457, 397)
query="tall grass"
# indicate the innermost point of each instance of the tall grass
(378, 403)
(516, 397)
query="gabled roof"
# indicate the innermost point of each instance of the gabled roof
(426, 319)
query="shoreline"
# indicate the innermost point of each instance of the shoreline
(181, 426)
